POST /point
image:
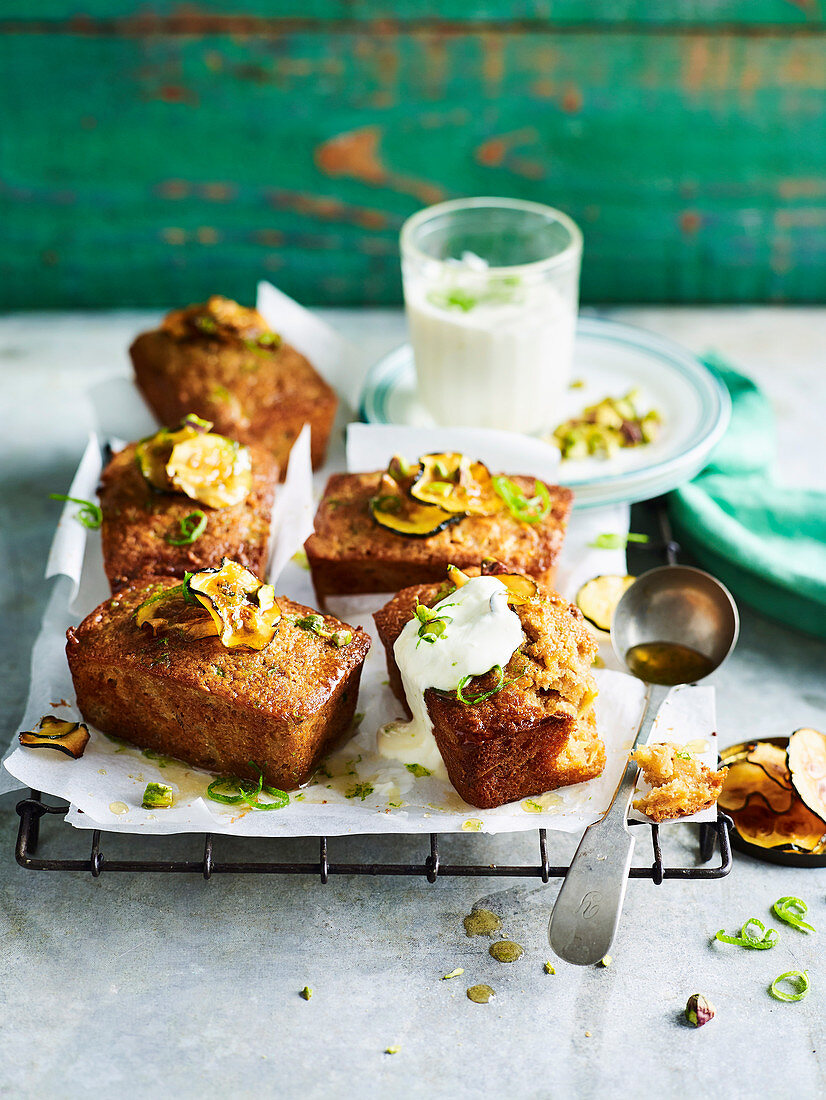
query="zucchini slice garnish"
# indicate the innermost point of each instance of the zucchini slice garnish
(193, 460)
(242, 608)
(746, 780)
(806, 757)
(797, 827)
(456, 484)
(598, 597)
(394, 509)
(70, 738)
(520, 587)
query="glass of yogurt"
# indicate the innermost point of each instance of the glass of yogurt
(491, 289)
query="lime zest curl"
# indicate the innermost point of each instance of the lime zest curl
(746, 938)
(798, 978)
(232, 791)
(792, 910)
(90, 514)
(192, 527)
(525, 509)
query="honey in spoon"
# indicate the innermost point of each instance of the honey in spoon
(668, 663)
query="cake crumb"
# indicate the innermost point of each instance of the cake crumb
(680, 784)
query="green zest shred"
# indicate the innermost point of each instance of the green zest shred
(472, 700)
(798, 979)
(89, 515)
(231, 791)
(177, 591)
(192, 527)
(766, 939)
(613, 541)
(525, 509)
(792, 911)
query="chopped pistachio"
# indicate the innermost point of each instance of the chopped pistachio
(549, 968)
(605, 962)
(606, 427)
(392, 1050)
(698, 1010)
(306, 993)
(359, 790)
(157, 796)
(418, 770)
(453, 974)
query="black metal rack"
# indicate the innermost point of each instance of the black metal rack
(32, 809)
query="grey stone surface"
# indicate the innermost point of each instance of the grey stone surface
(133, 984)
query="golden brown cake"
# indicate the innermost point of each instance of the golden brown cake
(351, 553)
(223, 362)
(141, 526)
(534, 735)
(680, 784)
(283, 707)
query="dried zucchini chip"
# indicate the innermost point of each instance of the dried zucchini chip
(520, 588)
(806, 757)
(798, 827)
(457, 484)
(211, 469)
(70, 738)
(394, 509)
(772, 759)
(193, 460)
(242, 607)
(745, 780)
(598, 597)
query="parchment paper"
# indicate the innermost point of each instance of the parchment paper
(364, 793)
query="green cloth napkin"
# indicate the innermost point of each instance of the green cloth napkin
(764, 540)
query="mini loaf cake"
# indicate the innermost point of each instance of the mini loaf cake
(183, 500)
(223, 362)
(524, 726)
(379, 532)
(219, 673)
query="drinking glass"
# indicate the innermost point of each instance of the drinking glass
(491, 290)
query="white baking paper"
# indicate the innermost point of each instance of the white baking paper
(331, 355)
(364, 793)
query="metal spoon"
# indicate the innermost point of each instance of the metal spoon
(675, 604)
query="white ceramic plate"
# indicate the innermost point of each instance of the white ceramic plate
(610, 358)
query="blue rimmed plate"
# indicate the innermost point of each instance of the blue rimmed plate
(610, 358)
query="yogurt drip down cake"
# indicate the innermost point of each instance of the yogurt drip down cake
(218, 672)
(223, 362)
(495, 671)
(183, 499)
(382, 531)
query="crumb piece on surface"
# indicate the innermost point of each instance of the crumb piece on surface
(680, 784)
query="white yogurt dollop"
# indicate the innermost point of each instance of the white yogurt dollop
(482, 632)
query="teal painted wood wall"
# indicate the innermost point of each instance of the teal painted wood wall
(153, 153)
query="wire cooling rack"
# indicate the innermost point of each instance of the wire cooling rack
(714, 835)
(32, 809)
